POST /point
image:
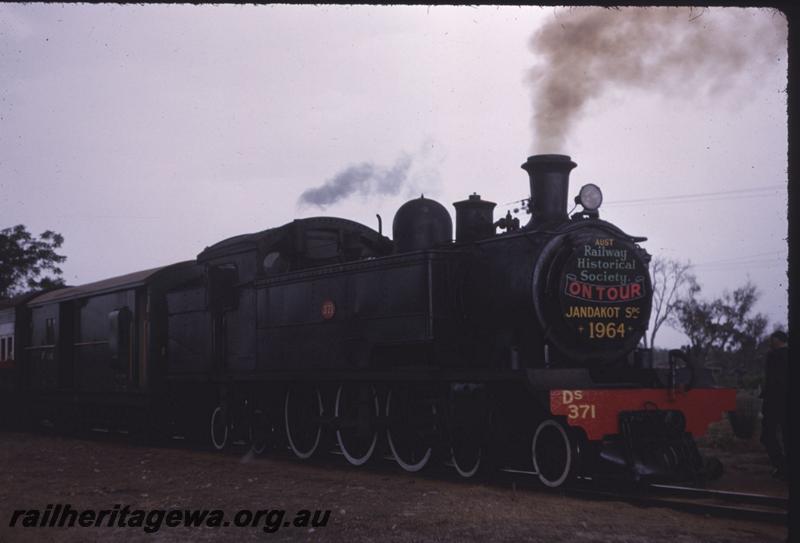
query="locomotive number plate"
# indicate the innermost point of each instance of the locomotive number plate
(576, 409)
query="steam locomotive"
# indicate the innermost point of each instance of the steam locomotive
(516, 348)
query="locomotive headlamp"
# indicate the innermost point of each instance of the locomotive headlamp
(590, 197)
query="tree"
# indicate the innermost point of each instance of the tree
(724, 325)
(27, 262)
(672, 280)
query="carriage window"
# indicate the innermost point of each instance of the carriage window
(119, 322)
(6, 348)
(50, 331)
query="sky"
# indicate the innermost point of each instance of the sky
(144, 133)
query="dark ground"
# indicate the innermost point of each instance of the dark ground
(370, 504)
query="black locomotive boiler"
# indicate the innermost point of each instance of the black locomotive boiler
(516, 348)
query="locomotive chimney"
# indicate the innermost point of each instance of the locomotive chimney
(549, 175)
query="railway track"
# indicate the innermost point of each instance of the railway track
(718, 503)
(702, 501)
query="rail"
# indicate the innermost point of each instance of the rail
(719, 503)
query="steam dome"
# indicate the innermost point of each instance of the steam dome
(421, 224)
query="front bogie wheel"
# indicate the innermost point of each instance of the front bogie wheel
(554, 453)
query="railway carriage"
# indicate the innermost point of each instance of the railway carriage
(94, 355)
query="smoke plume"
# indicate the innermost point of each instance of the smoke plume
(677, 52)
(365, 178)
